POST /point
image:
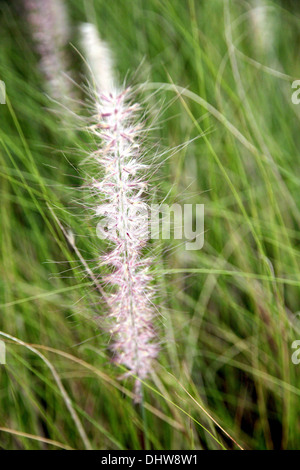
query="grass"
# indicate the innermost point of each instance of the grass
(228, 311)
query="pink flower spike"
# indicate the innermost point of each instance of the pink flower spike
(122, 203)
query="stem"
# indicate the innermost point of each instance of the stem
(144, 419)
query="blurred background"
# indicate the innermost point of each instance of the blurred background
(229, 313)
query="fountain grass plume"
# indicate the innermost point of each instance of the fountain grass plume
(119, 193)
(50, 30)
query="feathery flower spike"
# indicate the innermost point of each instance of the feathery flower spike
(51, 33)
(121, 191)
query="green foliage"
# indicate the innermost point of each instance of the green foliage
(228, 311)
